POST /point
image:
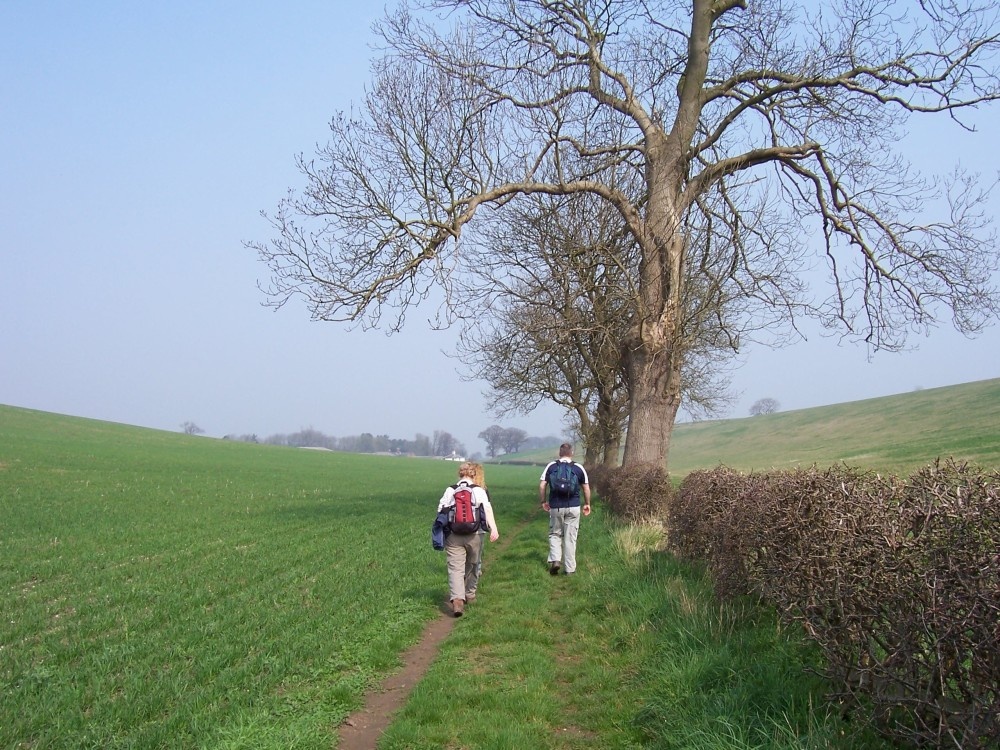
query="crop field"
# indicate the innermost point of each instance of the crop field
(161, 591)
(164, 591)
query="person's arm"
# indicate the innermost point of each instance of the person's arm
(494, 531)
(447, 499)
(586, 499)
(483, 498)
(541, 494)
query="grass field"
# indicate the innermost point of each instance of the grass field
(160, 590)
(164, 590)
(896, 434)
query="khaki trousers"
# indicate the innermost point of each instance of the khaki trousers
(462, 552)
(564, 526)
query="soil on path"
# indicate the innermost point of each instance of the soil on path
(362, 729)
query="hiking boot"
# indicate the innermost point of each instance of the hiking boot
(457, 607)
(554, 568)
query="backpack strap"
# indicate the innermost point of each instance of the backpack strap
(554, 466)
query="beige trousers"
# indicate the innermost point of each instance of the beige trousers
(462, 552)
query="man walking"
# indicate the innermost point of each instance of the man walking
(565, 480)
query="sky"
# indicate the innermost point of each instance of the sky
(139, 143)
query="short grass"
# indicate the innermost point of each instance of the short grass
(159, 590)
(633, 651)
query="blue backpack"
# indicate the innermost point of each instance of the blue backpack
(564, 480)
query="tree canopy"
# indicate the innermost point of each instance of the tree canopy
(739, 145)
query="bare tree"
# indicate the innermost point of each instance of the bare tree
(422, 445)
(714, 105)
(190, 428)
(493, 437)
(558, 284)
(552, 285)
(444, 443)
(764, 406)
(513, 439)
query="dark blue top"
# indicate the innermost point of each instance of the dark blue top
(571, 501)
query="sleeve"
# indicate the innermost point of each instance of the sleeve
(447, 499)
(481, 496)
(545, 472)
(484, 499)
(584, 479)
(438, 532)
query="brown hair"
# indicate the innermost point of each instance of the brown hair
(467, 471)
(566, 449)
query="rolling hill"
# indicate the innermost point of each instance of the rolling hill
(892, 434)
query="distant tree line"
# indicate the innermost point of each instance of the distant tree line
(440, 443)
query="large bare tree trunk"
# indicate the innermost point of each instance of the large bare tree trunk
(655, 358)
(608, 438)
(611, 453)
(654, 398)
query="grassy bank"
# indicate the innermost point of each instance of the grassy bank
(160, 590)
(895, 434)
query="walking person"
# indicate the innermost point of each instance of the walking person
(479, 479)
(565, 480)
(463, 549)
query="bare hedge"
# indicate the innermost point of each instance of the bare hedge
(633, 494)
(897, 580)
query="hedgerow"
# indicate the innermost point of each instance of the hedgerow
(898, 581)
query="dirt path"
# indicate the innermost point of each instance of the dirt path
(362, 729)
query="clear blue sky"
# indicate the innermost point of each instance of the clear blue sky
(138, 143)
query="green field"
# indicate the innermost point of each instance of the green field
(896, 434)
(160, 590)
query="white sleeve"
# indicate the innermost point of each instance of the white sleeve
(447, 499)
(481, 496)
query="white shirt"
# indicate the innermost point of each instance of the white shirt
(479, 497)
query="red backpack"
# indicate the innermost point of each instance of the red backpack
(466, 515)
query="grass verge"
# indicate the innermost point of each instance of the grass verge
(631, 652)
